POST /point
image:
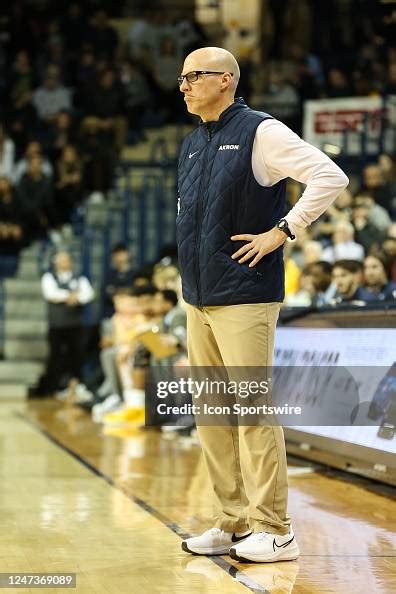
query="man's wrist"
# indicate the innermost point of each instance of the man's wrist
(280, 234)
(283, 226)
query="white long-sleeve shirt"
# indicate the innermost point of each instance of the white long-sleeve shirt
(279, 153)
(54, 294)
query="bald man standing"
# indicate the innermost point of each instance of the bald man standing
(231, 227)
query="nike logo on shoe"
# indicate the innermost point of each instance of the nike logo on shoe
(192, 154)
(282, 546)
(236, 538)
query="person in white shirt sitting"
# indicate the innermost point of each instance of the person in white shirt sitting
(344, 247)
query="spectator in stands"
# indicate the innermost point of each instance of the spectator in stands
(387, 165)
(143, 277)
(173, 335)
(340, 210)
(33, 149)
(281, 101)
(376, 278)
(392, 230)
(377, 215)
(97, 157)
(51, 98)
(133, 311)
(167, 68)
(22, 119)
(119, 276)
(66, 292)
(174, 322)
(7, 153)
(53, 55)
(170, 333)
(68, 185)
(73, 26)
(347, 276)
(337, 84)
(323, 289)
(110, 385)
(389, 248)
(390, 85)
(115, 338)
(11, 233)
(302, 296)
(86, 78)
(189, 36)
(22, 77)
(63, 133)
(166, 275)
(366, 233)
(344, 247)
(137, 94)
(141, 34)
(312, 252)
(35, 199)
(102, 36)
(292, 268)
(107, 105)
(308, 71)
(383, 192)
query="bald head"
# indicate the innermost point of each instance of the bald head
(217, 59)
(213, 90)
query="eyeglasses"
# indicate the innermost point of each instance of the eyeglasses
(193, 76)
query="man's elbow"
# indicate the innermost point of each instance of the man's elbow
(343, 181)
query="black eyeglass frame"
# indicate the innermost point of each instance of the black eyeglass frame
(196, 73)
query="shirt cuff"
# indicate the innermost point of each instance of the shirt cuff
(294, 227)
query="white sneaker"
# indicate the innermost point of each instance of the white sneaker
(111, 403)
(63, 395)
(264, 547)
(213, 542)
(82, 394)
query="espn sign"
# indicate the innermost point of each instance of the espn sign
(327, 120)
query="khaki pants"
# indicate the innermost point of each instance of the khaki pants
(246, 464)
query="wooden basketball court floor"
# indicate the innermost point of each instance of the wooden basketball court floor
(113, 509)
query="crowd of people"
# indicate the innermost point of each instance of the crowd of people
(348, 254)
(72, 95)
(143, 327)
(73, 92)
(143, 324)
(314, 50)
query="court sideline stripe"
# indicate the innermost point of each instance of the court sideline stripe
(222, 563)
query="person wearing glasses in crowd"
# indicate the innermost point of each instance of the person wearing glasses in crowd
(231, 227)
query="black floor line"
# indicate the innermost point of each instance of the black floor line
(222, 563)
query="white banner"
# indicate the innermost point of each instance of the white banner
(368, 353)
(326, 120)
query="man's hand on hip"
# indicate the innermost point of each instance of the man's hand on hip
(258, 245)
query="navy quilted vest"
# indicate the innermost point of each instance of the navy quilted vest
(219, 197)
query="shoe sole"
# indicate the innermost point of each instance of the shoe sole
(206, 554)
(224, 551)
(292, 557)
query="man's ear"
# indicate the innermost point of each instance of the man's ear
(226, 80)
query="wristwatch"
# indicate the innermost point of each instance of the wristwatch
(283, 226)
